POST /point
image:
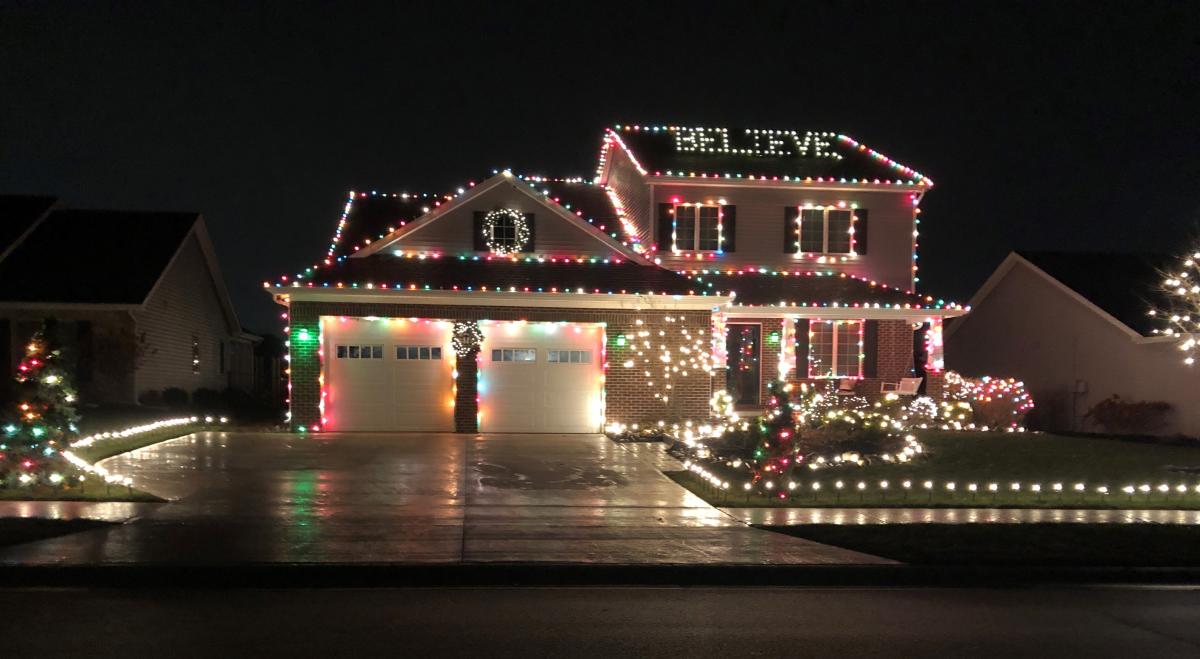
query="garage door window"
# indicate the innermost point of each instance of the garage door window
(514, 355)
(360, 352)
(569, 356)
(418, 352)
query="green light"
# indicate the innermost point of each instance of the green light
(773, 337)
(303, 335)
(621, 340)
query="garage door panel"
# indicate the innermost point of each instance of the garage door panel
(388, 393)
(541, 395)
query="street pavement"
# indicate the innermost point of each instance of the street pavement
(241, 498)
(605, 622)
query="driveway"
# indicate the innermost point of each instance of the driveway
(413, 498)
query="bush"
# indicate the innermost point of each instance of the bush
(175, 398)
(996, 403)
(1129, 417)
(207, 400)
(151, 398)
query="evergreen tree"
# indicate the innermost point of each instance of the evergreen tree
(776, 450)
(43, 419)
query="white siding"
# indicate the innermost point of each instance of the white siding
(185, 304)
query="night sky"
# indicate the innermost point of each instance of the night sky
(1044, 125)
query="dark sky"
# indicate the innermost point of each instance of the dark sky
(1047, 125)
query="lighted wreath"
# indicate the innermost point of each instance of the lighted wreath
(467, 337)
(520, 231)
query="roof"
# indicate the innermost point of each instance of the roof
(18, 214)
(811, 289)
(1125, 286)
(93, 257)
(749, 153)
(463, 273)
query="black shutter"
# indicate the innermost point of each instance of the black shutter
(790, 213)
(871, 349)
(729, 227)
(532, 242)
(802, 348)
(480, 241)
(860, 231)
(666, 227)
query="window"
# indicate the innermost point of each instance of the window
(514, 354)
(416, 353)
(221, 355)
(569, 356)
(697, 228)
(835, 349)
(504, 232)
(742, 347)
(359, 352)
(826, 230)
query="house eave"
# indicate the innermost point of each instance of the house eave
(840, 313)
(624, 301)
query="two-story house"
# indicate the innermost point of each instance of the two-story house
(697, 260)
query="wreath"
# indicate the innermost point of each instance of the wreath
(467, 337)
(520, 228)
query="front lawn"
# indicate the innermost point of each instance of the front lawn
(107, 448)
(1025, 470)
(1074, 545)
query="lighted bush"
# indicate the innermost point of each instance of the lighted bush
(1122, 416)
(984, 403)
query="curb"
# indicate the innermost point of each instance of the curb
(547, 575)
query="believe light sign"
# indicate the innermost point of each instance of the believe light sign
(756, 142)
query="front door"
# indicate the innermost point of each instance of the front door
(743, 345)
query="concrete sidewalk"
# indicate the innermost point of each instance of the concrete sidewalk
(866, 516)
(100, 511)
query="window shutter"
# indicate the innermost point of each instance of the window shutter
(480, 242)
(666, 227)
(801, 348)
(790, 214)
(860, 231)
(532, 242)
(729, 227)
(871, 349)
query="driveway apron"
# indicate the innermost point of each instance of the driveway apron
(418, 498)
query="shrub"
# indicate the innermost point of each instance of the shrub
(1121, 416)
(151, 398)
(1000, 403)
(175, 398)
(208, 400)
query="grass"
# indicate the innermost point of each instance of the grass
(981, 458)
(16, 530)
(1076, 545)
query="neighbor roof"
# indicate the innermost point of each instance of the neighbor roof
(1125, 286)
(18, 214)
(789, 155)
(810, 289)
(93, 257)
(500, 274)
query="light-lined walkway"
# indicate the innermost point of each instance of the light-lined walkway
(417, 498)
(800, 516)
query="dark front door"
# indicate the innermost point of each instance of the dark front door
(743, 346)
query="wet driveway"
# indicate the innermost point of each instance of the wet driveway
(413, 498)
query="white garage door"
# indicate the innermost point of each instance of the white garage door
(388, 374)
(541, 377)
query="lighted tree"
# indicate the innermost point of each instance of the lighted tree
(775, 451)
(1181, 314)
(667, 355)
(43, 418)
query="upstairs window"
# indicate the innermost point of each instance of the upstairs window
(504, 233)
(697, 228)
(826, 230)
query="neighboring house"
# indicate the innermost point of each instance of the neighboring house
(598, 298)
(1075, 328)
(139, 298)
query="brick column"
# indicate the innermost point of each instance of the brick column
(305, 367)
(466, 397)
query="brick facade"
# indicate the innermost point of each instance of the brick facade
(628, 398)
